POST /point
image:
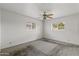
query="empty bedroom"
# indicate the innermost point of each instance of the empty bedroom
(39, 29)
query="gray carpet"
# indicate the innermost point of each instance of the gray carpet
(43, 48)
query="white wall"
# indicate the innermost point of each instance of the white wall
(0, 28)
(70, 33)
(14, 29)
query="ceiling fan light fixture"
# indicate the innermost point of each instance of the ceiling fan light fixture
(47, 15)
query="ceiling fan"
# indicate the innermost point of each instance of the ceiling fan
(47, 15)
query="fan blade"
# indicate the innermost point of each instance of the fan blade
(50, 17)
(50, 14)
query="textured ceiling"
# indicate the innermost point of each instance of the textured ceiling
(35, 9)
